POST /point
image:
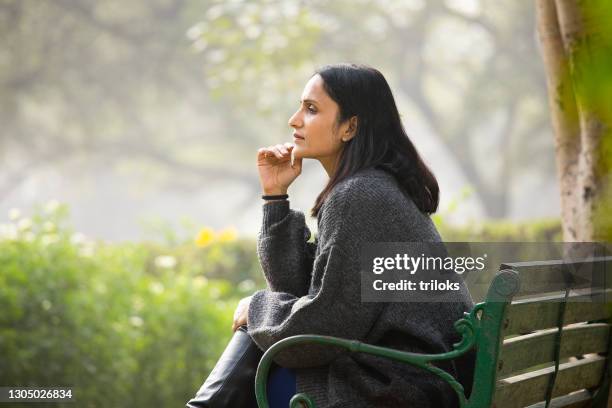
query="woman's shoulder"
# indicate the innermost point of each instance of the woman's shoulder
(370, 174)
(368, 184)
(367, 191)
(374, 197)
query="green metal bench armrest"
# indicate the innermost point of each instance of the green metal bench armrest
(466, 326)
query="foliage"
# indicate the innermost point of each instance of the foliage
(121, 324)
(594, 86)
(446, 58)
(544, 230)
(180, 94)
(541, 230)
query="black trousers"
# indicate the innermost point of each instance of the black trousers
(231, 383)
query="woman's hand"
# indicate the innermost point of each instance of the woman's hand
(277, 168)
(241, 313)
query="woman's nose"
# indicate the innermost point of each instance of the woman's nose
(294, 120)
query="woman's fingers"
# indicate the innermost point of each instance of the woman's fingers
(237, 323)
(262, 153)
(282, 149)
(266, 154)
(241, 313)
(278, 151)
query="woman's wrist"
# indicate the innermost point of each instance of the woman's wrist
(276, 191)
(273, 212)
(275, 197)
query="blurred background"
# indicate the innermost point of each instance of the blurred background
(150, 113)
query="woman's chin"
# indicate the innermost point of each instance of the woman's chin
(299, 153)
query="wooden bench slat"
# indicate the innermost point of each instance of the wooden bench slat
(519, 353)
(579, 399)
(548, 276)
(530, 388)
(525, 316)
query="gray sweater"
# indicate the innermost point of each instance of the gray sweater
(315, 288)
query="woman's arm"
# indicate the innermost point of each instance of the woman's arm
(283, 249)
(284, 253)
(332, 308)
(333, 303)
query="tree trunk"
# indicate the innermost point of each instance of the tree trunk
(563, 112)
(568, 40)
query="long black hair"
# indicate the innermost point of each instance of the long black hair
(380, 139)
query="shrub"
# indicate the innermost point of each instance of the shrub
(544, 230)
(98, 317)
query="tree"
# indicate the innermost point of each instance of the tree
(111, 83)
(455, 89)
(85, 80)
(577, 54)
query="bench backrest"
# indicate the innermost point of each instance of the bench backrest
(539, 315)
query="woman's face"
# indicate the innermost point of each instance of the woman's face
(316, 134)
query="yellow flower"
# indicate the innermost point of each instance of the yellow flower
(228, 235)
(205, 237)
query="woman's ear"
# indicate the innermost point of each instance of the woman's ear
(351, 130)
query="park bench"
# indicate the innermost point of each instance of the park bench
(542, 336)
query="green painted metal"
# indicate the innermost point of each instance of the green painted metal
(483, 327)
(301, 401)
(464, 326)
(489, 336)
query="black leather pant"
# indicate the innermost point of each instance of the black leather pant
(231, 383)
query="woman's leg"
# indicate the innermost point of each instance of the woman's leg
(231, 383)
(281, 386)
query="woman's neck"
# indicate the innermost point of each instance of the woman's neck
(329, 163)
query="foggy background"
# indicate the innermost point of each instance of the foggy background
(141, 114)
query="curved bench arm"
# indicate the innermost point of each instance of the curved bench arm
(466, 327)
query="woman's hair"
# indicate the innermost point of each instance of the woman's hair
(380, 139)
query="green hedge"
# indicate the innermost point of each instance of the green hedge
(121, 328)
(543, 230)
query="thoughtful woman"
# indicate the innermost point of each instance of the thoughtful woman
(379, 190)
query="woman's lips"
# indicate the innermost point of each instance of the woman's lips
(296, 136)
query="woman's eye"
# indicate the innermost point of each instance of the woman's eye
(311, 110)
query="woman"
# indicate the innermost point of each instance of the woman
(379, 190)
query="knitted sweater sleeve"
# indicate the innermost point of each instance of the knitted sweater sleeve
(284, 253)
(331, 307)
